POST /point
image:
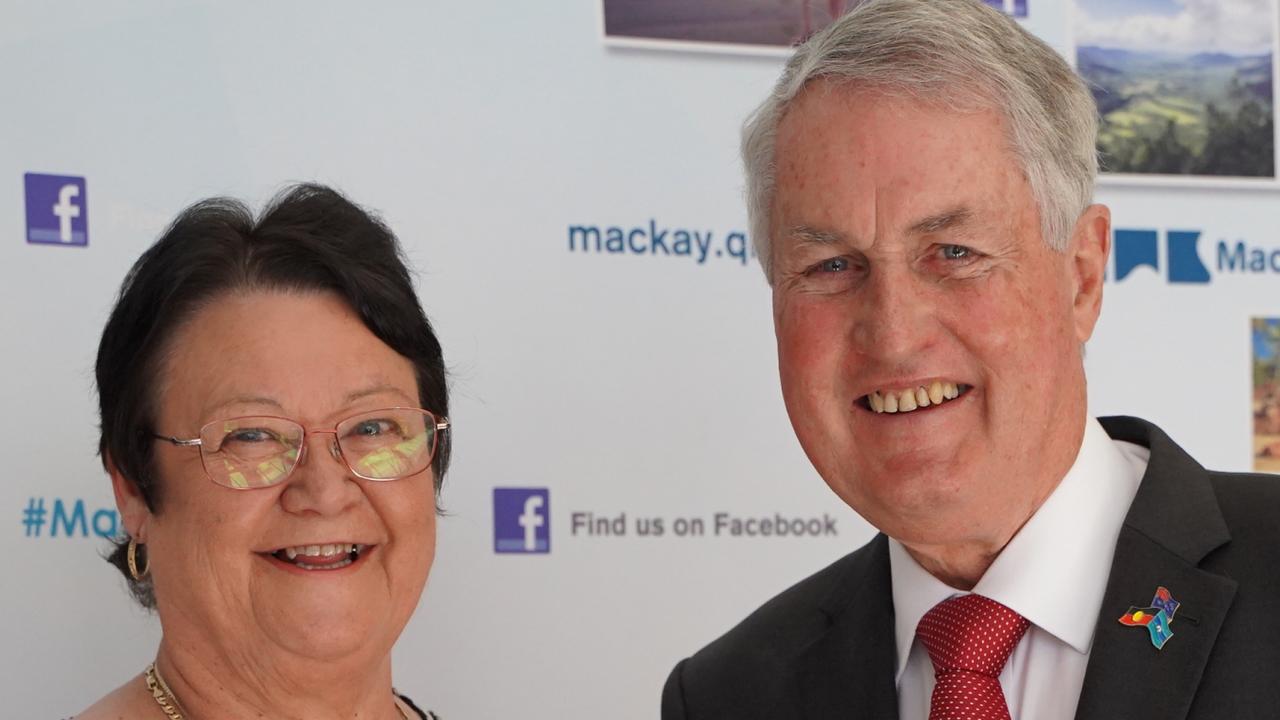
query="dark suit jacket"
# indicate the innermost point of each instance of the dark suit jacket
(825, 647)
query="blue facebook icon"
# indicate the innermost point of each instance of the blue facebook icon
(57, 210)
(521, 520)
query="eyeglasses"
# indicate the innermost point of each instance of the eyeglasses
(260, 451)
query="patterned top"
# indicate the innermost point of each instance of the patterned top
(424, 714)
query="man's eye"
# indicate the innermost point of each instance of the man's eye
(832, 265)
(955, 252)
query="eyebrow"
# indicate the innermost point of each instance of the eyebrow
(246, 400)
(810, 235)
(375, 390)
(944, 220)
(350, 398)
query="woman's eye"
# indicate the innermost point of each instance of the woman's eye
(372, 428)
(250, 435)
(955, 252)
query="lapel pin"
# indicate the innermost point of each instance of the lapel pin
(1156, 618)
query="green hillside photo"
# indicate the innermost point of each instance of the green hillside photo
(1181, 105)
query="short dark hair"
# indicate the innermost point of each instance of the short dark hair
(308, 238)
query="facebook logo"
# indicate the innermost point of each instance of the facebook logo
(521, 520)
(57, 210)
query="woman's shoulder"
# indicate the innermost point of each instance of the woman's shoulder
(121, 703)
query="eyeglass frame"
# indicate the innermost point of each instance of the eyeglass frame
(442, 426)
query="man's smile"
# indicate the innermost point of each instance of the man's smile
(913, 397)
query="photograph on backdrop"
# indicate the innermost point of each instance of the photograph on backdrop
(1185, 87)
(764, 24)
(1265, 337)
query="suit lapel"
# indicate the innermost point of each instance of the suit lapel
(1173, 524)
(848, 671)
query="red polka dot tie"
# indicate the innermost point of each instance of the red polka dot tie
(969, 639)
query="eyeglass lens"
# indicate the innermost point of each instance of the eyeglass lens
(254, 452)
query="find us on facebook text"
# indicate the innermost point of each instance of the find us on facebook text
(721, 524)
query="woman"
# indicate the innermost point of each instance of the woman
(273, 421)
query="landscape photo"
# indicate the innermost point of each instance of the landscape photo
(762, 24)
(1184, 87)
(1266, 393)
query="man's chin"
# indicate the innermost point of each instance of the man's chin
(912, 493)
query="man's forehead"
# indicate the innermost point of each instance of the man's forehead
(845, 112)
(850, 157)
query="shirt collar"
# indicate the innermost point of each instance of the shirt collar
(1056, 585)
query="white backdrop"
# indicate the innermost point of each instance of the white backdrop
(621, 383)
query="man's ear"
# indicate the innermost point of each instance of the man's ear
(129, 501)
(1090, 247)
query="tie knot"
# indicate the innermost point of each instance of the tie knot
(970, 633)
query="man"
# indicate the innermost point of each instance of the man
(919, 185)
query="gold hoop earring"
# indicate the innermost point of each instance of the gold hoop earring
(132, 555)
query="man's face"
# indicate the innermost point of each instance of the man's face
(907, 251)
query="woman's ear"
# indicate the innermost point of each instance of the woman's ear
(134, 512)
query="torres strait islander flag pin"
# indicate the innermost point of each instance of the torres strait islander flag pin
(1156, 618)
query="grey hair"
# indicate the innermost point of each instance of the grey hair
(961, 53)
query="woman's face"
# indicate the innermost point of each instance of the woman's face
(215, 551)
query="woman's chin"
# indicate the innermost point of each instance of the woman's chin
(327, 635)
(328, 620)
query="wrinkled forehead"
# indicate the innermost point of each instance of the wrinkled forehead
(833, 99)
(858, 158)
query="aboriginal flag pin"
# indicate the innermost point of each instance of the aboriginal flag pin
(1156, 618)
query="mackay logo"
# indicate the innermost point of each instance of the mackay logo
(1180, 263)
(1141, 248)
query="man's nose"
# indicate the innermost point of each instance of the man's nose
(894, 317)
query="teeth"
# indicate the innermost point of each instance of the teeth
(328, 550)
(877, 402)
(907, 401)
(922, 396)
(935, 392)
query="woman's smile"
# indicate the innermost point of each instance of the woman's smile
(326, 557)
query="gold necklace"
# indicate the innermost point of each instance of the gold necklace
(164, 697)
(168, 702)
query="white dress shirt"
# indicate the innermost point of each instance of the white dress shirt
(1053, 573)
